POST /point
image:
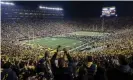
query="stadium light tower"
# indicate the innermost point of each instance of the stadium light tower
(107, 12)
(28, 37)
(103, 24)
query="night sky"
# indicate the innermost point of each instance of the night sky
(83, 8)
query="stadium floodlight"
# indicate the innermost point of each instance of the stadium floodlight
(61, 9)
(40, 7)
(12, 3)
(7, 3)
(57, 8)
(50, 8)
(1, 2)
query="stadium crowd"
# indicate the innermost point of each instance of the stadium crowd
(63, 65)
(19, 29)
(25, 63)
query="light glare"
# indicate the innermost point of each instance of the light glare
(7, 3)
(50, 8)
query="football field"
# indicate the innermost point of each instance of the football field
(53, 42)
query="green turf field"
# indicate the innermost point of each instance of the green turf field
(54, 42)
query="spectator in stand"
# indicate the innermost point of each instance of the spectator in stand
(7, 73)
(88, 70)
(62, 71)
(44, 67)
(122, 72)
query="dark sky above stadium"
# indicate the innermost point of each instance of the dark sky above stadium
(84, 8)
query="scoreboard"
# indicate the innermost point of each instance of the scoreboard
(108, 11)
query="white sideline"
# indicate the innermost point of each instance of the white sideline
(77, 47)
